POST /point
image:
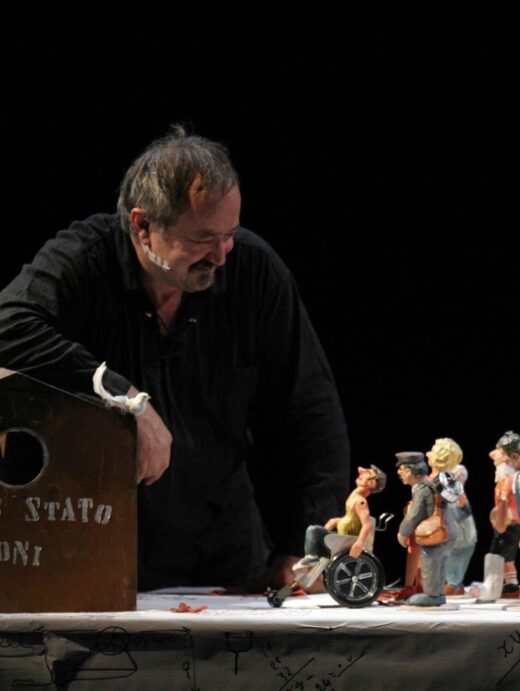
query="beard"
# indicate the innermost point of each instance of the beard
(201, 276)
(502, 470)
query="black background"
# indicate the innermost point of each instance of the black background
(377, 152)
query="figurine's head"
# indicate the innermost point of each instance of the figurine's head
(445, 454)
(410, 465)
(507, 450)
(372, 477)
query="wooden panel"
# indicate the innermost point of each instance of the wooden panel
(67, 501)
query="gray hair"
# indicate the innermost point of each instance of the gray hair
(380, 479)
(166, 176)
(509, 442)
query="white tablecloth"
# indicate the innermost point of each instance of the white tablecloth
(310, 644)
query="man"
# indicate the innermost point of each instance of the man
(355, 522)
(187, 306)
(414, 460)
(505, 517)
(412, 471)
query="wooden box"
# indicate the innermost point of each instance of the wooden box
(67, 501)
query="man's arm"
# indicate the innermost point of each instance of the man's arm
(49, 300)
(46, 309)
(154, 443)
(300, 433)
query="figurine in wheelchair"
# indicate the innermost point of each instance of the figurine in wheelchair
(342, 550)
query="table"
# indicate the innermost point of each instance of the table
(242, 643)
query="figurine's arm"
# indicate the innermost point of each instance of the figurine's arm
(462, 500)
(421, 507)
(403, 541)
(363, 513)
(332, 523)
(500, 515)
(462, 508)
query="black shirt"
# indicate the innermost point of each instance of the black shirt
(240, 380)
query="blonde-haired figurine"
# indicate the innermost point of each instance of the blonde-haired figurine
(444, 455)
(430, 495)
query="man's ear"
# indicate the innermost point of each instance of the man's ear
(140, 225)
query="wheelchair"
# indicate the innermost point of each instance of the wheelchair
(351, 581)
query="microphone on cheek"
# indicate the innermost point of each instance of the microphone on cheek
(155, 259)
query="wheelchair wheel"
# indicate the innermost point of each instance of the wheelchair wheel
(354, 582)
(273, 599)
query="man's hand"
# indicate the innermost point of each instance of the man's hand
(153, 444)
(280, 573)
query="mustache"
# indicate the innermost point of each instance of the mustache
(203, 264)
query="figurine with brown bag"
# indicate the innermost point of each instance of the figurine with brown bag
(427, 521)
(433, 530)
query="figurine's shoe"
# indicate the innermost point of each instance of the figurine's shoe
(424, 600)
(305, 562)
(453, 589)
(405, 593)
(511, 590)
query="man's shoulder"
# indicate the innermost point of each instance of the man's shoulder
(95, 231)
(253, 243)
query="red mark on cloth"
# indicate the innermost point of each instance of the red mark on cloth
(184, 609)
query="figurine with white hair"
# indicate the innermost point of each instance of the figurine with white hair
(500, 572)
(465, 541)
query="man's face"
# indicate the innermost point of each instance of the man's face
(498, 456)
(197, 244)
(405, 474)
(366, 478)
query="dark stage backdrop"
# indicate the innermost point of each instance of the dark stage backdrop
(381, 168)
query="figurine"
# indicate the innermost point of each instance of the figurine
(444, 455)
(412, 579)
(427, 519)
(356, 520)
(465, 540)
(505, 517)
(340, 550)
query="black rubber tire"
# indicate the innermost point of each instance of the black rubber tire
(354, 582)
(274, 600)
